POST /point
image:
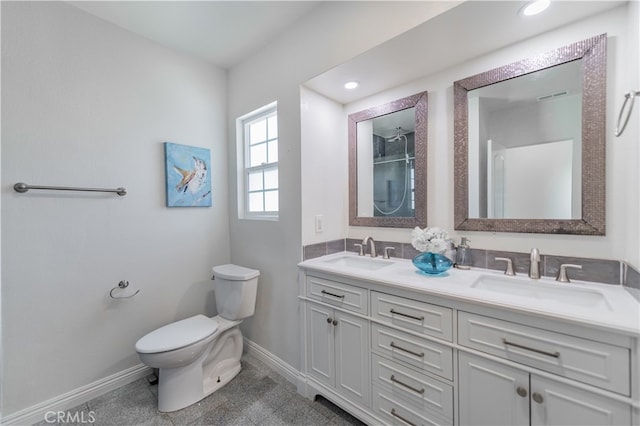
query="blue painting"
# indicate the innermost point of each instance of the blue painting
(188, 174)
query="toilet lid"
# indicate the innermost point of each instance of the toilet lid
(177, 335)
(234, 272)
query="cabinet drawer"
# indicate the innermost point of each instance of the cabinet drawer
(418, 390)
(411, 350)
(411, 314)
(342, 295)
(395, 411)
(599, 364)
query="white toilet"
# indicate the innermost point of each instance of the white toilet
(198, 355)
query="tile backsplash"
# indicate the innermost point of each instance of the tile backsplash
(597, 270)
(631, 280)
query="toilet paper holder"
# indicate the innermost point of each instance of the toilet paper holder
(121, 286)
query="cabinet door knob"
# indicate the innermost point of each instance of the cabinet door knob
(335, 322)
(521, 391)
(537, 398)
(328, 320)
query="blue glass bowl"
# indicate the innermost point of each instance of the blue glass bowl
(432, 263)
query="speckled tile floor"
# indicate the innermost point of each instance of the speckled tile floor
(256, 396)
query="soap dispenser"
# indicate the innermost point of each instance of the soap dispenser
(463, 254)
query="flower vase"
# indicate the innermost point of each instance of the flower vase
(432, 263)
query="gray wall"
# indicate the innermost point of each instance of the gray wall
(85, 103)
(333, 33)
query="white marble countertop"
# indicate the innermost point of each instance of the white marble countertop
(604, 306)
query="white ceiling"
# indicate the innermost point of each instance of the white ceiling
(546, 84)
(468, 30)
(226, 32)
(220, 32)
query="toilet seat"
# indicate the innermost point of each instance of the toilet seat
(177, 335)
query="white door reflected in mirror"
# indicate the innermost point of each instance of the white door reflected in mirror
(533, 182)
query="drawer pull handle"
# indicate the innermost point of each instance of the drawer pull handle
(394, 380)
(421, 354)
(406, 315)
(551, 354)
(396, 415)
(332, 294)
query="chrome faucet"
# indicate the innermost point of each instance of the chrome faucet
(562, 274)
(372, 245)
(509, 269)
(534, 267)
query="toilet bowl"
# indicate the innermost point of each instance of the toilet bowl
(198, 355)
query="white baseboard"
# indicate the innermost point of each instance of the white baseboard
(72, 399)
(278, 365)
(36, 413)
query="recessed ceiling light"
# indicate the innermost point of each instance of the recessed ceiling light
(351, 85)
(535, 7)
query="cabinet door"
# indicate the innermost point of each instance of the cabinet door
(560, 404)
(352, 357)
(320, 344)
(491, 393)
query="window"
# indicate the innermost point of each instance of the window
(260, 166)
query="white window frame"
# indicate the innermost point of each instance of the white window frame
(244, 167)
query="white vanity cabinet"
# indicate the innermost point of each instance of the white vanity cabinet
(413, 315)
(412, 373)
(414, 354)
(587, 361)
(496, 394)
(491, 393)
(402, 393)
(530, 399)
(560, 404)
(338, 342)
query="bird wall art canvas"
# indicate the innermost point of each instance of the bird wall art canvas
(188, 175)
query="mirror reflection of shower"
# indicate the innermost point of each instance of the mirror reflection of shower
(393, 172)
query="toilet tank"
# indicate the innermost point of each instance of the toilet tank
(235, 288)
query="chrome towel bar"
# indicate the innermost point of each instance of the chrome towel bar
(22, 187)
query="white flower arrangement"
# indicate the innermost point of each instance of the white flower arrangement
(434, 240)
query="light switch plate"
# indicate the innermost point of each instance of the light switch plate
(319, 224)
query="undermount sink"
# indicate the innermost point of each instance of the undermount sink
(364, 263)
(569, 294)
